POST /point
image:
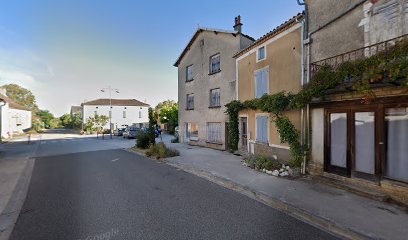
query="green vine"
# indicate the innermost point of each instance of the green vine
(388, 66)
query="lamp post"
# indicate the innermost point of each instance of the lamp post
(109, 89)
(2, 103)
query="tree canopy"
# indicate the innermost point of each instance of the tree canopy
(167, 112)
(22, 96)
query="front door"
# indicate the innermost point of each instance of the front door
(244, 132)
(363, 147)
(351, 142)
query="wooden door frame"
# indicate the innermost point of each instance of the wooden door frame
(327, 143)
(377, 132)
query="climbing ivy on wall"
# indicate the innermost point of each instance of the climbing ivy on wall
(390, 66)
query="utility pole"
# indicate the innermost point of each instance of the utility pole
(2, 103)
(109, 89)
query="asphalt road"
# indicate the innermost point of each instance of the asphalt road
(114, 194)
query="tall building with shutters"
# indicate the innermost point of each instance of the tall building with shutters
(206, 82)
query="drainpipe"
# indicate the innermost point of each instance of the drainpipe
(304, 119)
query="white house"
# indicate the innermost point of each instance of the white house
(14, 118)
(124, 112)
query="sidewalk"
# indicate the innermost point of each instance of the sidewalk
(332, 209)
(15, 172)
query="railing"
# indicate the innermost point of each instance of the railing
(360, 53)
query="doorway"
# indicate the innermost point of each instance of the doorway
(351, 142)
(244, 132)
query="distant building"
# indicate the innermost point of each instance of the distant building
(206, 82)
(76, 110)
(124, 112)
(14, 118)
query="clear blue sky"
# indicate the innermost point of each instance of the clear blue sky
(64, 51)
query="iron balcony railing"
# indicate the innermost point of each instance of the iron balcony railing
(356, 54)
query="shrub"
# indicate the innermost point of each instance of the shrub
(161, 151)
(261, 162)
(143, 140)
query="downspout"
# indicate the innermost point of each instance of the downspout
(304, 122)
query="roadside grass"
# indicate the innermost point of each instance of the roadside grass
(160, 150)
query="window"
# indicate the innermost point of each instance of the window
(215, 97)
(124, 114)
(140, 114)
(261, 83)
(215, 64)
(189, 73)
(190, 101)
(96, 113)
(214, 132)
(396, 133)
(110, 114)
(262, 129)
(261, 53)
(191, 131)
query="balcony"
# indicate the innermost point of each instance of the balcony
(380, 68)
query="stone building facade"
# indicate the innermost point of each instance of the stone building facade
(353, 139)
(206, 82)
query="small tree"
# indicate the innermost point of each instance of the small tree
(96, 123)
(55, 123)
(66, 121)
(169, 114)
(152, 125)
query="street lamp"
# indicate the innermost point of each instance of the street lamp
(2, 103)
(109, 89)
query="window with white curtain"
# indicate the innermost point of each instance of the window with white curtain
(189, 73)
(190, 101)
(262, 129)
(215, 63)
(214, 132)
(191, 131)
(261, 82)
(215, 97)
(396, 133)
(124, 114)
(140, 114)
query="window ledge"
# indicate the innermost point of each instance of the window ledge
(212, 73)
(262, 143)
(193, 139)
(214, 107)
(189, 109)
(190, 80)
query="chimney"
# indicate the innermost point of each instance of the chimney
(238, 24)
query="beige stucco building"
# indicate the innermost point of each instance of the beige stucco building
(270, 65)
(206, 82)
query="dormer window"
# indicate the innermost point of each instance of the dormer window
(261, 54)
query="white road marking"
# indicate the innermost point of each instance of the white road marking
(114, 160)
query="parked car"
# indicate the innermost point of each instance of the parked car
(119, 131)
(131, 132)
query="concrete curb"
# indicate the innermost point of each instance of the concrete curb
(9, 216)
(300, 214)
